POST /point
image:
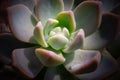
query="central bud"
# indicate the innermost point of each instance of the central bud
(58, 38)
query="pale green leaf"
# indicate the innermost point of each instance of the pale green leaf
(48, 9)
(22, 22)
(25, 60)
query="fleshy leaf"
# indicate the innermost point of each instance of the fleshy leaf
(26, 61)
(51, 23)
(29, 3)
(107, 66)
(75, 42)
(82, 61)
(105, 34)
(49, 58)
(57, 41)
(66, 19)
(66, 32)
(68, 4)
(22, 22)
(39, 35)
(48, 9)
(88, 16)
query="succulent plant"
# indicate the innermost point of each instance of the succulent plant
(68, 43)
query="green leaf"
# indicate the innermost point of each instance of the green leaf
(108, 65)
(88, 16)
(49, 58)
(26, 61)
(82, 61)
(22, 22)
(66, 19)
(51, 23)
(39, 35)
(75, 42)
(68, 4)
(105, 34)
(48, 9)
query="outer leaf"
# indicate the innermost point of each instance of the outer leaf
(105, 34)
(66, 19)
(39, 35)
(82, 61)
(22, 22)
(76, 41)
(49, 58)
(107, 66)
(88, 16)
(68, 4)
(26, 61)
(48, 9)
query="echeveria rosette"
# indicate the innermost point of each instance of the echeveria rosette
(61, 37)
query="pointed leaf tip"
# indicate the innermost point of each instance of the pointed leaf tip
(82, 61)
(49, 58)
(39, 35)
(75, 42)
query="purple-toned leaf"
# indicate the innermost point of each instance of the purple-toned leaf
(82, 61)
(49, 58)
(88, 16)
(26, 61)
(76, 41)
(105, 34)
(22, 22)
(107, 66)
(48, 9)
